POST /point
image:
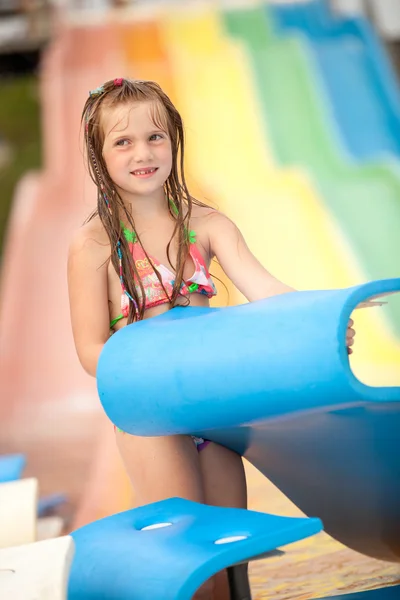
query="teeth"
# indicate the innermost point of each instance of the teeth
(144, 172)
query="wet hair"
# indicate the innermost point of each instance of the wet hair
(110, 207)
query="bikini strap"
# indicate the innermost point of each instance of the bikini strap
(129, 235)
(191, 235)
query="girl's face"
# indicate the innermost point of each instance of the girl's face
(138, 154)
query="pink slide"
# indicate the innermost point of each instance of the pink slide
(49, 408)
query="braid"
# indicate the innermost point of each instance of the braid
(96, 170)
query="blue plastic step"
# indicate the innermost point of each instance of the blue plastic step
(169, 549)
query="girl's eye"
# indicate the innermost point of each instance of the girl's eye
(121, 142)
(156, 137)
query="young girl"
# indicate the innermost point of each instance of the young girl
(146, 249)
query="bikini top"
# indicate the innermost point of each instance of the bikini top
(200, 282)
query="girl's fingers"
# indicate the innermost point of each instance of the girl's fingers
(370, 303)
(350, 333)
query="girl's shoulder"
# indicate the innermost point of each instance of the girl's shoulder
(207, 223)
(202, 215)
(91, 239)
(205, 218)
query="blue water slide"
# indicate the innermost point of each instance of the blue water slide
(272, 381)
(356, 72)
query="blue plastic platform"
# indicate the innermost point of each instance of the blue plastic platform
(11, 467)
(276, 386)
(185, 545)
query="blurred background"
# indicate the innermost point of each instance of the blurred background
(292, 115)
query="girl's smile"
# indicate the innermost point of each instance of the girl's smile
(145, 173)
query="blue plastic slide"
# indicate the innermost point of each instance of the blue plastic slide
(272, 380)
(356, 72)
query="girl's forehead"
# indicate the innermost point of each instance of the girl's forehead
(138, 116)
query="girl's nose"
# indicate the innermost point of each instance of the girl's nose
(143, 153)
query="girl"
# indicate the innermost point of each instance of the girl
(146, 249)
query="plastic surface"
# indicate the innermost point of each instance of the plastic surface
(271, 380)
(116, 558)
(360, 82)
(287, 350)
(11, 467)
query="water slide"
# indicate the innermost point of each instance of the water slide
(353, 65)
(362, 199)
(232, 160)
(49, 407)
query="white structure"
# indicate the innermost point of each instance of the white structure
(349, 7)
(385, 13)
(18, 512)
(36, 571)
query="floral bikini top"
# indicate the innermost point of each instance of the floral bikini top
(200, 282)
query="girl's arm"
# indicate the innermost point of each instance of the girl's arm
(244, 270)
(88, 296)
(240, 265)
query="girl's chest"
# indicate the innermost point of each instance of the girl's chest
(160, 255)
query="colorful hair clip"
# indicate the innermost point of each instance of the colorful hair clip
(118, 82)
(97, 92)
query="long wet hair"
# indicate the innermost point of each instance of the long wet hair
(110, 207)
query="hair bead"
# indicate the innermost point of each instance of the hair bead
(97, 92)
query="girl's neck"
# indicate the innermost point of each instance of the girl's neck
(146, 207)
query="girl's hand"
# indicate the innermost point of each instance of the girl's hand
(350, 333)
